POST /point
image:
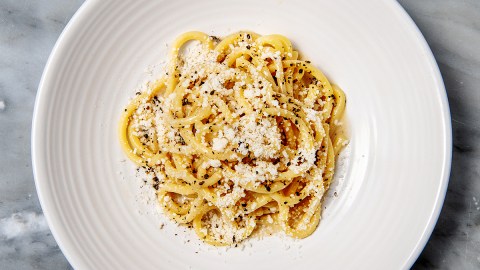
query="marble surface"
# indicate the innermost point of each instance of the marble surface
(29, 29)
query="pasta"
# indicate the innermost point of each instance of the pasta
(239, 134)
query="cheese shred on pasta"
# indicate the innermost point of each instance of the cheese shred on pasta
(239, 134)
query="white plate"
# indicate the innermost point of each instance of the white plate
(396, 174)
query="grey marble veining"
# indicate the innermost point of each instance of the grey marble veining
(452, 29)
(29, 29)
